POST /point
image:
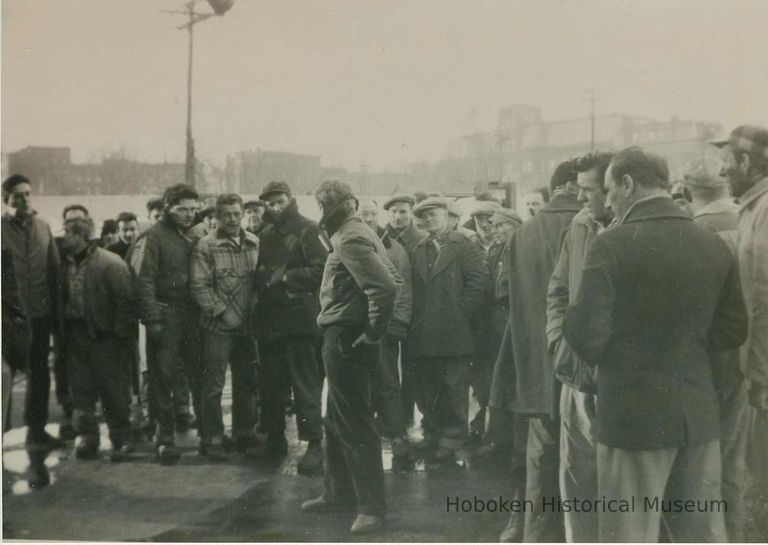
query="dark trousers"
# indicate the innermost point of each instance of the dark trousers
(99, 371)
(480, 380)
(38, 376)
(354, 473)
(180, 339)
(443, 399)
(542, 480)
(734, 423)
(61, 374)
(291, 362)
(385, 389)
(219, 350)
(408, 386)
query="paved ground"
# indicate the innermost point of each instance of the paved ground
(239, 501)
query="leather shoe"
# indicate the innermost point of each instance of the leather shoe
(366, 523)
(321, 504)
(513, 532)
(311, 463)
(168, 454)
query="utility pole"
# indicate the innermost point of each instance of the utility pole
(592, 120)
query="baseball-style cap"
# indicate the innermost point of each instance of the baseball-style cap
(749, 138)
(410, 199)
(454, 209)
(484, 208)
(429, 203)
(505, 215)
(273, 188)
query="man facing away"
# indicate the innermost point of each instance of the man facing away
(524, 378)
(578, 460)
(387, 396)
(357, 298)
(169, 311)
(222, 273)
(96, 317)
(290, 269)
(36, 262)
(657, 296)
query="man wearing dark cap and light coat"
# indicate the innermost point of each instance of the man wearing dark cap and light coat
(357, 299)
(449, 284)
(524, 377)
(288, 278)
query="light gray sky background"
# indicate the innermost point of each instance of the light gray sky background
(384, 82)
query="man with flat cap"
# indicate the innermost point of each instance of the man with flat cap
(288, 278)
(449, 284)
(400, 226)
(746, 159)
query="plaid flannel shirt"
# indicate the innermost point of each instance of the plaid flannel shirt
(222, 279)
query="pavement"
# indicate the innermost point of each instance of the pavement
(239, 500)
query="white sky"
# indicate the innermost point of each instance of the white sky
(379, 81)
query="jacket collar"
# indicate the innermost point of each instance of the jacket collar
(27, 220)
(720, 206)
(651, 208)
(449, 244)
(336, 216)
(755, 192)
(585, 219)
(220, 239)
(562, 202)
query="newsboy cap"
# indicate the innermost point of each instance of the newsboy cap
(454, 209)
(484, 208)
(505, 215)
(273, 188)
(749, 138)
(429, 203)
(704, 172)
(410, 199)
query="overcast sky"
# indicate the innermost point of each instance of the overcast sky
(383, 82)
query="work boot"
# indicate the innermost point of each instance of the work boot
(402, 461)
(43, 439)
(86, 449)
(366, 523)
(272, 450)
(37, 474)
(311, 463)
(168, 453)
(513, 532)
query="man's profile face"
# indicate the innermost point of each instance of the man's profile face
(434, 220)
(368, 212)
(278, 202)
(183, 213)
(400, 215)
(617, 196)
(592, 195)
(128, 230)
(20, 198)
(228, 217)
(154, 215)
(737, 171)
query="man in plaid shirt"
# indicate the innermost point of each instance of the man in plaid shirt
(222, 282)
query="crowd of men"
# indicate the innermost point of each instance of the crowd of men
(615, 342)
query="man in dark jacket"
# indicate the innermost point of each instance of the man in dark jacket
(524, 377)
(96, 316)
(36, 261)
(657, 296)
(357, 298)
(169, 311)
(449, 283)
(291, 263)
(578, 459)
(127, 231)
(387, 396)
(714, 209)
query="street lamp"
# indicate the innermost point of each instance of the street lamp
(220, 7)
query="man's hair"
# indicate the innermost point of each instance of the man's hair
(11, 182)
(109, 227)
(544, 192)
(419, 196)
(227, 199)
(176, 193)
(332, 192)
(599, 161)
(127, 217)
(155, 203)
(646, 169)
(70, 207)
(564, 173)
(81, 226)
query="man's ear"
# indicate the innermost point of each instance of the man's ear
(572, 187)
(628, 183)
(744, 163)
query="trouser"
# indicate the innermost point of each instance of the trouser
(99, 371)
(443, 398)
(354, 473)
(38, 376)
(61, 375)
(219, 350)
(680, 475)
(542, 471)
(385, 388)
(408, 386)
(519, 449)
(578, 461)
(734, 426)
(284, 363)
(179, 339)
(481, 370)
